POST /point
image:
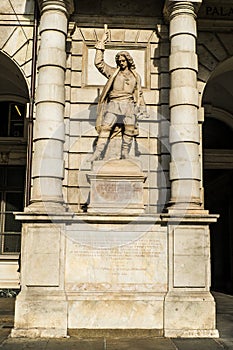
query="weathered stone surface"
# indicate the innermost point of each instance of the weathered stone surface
(116, 261)
(116, 187)
(190, 315)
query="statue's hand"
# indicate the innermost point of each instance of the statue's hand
(100, 45)
(105, 36)
(142, 113)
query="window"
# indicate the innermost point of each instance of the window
(12, 119)
(12, 199)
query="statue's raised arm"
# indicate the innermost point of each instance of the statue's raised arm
(100, 64)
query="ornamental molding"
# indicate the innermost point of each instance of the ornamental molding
(68, 5)
(173, 8)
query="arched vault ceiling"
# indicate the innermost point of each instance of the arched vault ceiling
(12, 80)
(219, 89)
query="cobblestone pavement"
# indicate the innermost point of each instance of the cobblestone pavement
(224, 325)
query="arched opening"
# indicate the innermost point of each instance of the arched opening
(218, 172)
(14, 97)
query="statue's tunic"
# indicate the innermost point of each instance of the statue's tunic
(122, 94)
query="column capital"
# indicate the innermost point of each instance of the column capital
(173, 8)
(64, 5)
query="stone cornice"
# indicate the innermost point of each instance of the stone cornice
(190, 217)
(173, 8)
(67, 4)
(172, 218)
(68, 218)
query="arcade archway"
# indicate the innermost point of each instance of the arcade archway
(14, 97)
(218, 172)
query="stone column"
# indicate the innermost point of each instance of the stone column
(189, 308)
(185, 172)
(50, 101)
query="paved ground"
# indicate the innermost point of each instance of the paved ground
(224, 325)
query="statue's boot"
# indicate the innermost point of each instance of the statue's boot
(126, 143)
(102, 141)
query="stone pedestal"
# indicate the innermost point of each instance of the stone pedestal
(116, 187)
(189, 308)
(41, 306)
(115, 272)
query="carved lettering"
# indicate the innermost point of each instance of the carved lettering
(115, 191)
(208, 10)
(219, 11)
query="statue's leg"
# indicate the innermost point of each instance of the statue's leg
(128, 133)
(127, 139)
(106, 128)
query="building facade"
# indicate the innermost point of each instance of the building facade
(88, 251)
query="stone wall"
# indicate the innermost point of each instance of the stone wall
(82, 96)
(83, 86)
(16, 28)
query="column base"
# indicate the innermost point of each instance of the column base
(46, 207)
(40, 315)
(190, 315)
(194, 207)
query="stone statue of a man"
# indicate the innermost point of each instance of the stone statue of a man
(121, 100)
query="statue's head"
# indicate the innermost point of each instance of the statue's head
(128, 57)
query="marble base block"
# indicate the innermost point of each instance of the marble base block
(38, 315)
(116, 187)
(116, 279)
(106, 312)
(190, 315)
(114, 273)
